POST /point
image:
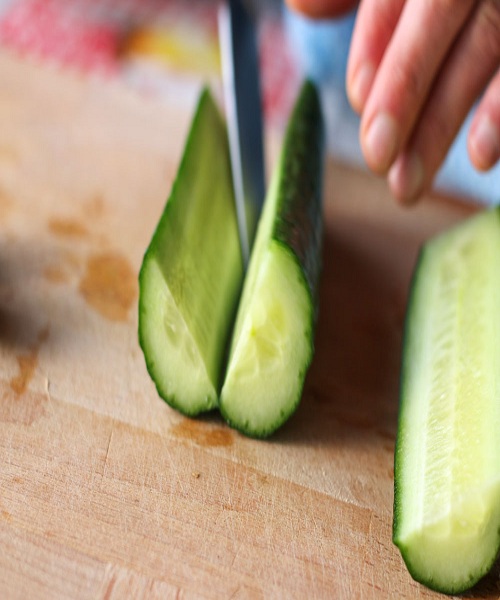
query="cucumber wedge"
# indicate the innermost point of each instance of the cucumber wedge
(447, 458)
(272, 344)
(192, 272)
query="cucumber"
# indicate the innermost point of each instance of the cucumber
(447, 458)
(272, 343)
(191, 275)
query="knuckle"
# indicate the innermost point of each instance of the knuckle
(433, 140)
(443, 5)
(440, 129)
(489, 24)
(442, 9)
(408, 79)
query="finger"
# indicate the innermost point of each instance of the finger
(321, 9)
(406, 74)
(484, 135)
(375, 24)
(469, 67)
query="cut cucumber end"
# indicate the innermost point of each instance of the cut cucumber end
(273, 348)
(453, 553)
(181, 379)
(447, 459)
(272, 343)
(192, 271)
(192, 275)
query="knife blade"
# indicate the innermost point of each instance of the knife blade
(243, 107)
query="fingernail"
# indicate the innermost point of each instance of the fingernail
(406, 178)
(361, 85)
(486, 142)
(380, 142)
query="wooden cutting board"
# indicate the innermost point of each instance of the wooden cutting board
(105, 492)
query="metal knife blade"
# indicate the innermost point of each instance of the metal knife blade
(243, 104)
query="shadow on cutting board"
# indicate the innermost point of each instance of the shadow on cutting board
(21, 323)
(352, 387)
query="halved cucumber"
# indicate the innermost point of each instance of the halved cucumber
(192, 272)
(447, 460)
(272, 344)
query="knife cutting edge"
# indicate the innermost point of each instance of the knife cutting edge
(242, 99)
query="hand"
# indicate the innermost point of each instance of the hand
(415, 69)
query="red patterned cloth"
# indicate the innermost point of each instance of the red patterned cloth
(151, 44)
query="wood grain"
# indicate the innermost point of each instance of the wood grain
(107, 493)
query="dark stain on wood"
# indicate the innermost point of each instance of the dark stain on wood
(6, 516)
(27, 365)
(109, 285)
(203, 434)
(67, 227)
(32, 406)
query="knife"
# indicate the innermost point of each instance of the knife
(243, 107)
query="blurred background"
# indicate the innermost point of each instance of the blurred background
(168, 47)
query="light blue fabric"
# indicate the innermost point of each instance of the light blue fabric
(321, 49)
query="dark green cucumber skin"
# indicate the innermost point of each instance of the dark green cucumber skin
(298, 223)
(418, 272)
(171, 400)
(405, 366)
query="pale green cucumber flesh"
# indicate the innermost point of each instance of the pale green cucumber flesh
(447, 460)
(192, 272)
(269, 359)
(272, 344)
